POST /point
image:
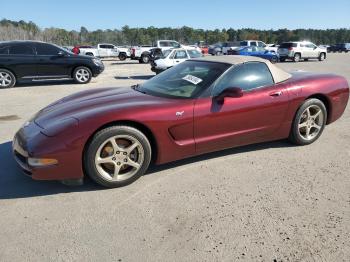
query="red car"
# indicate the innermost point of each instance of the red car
(198, 106)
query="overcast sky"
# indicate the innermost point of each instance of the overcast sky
(206, 14)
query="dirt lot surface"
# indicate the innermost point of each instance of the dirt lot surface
(266, 202)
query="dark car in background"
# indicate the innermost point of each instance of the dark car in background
(32, 60)
(215, 49)
(344, 47)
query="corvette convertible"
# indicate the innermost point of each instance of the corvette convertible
(199, 106)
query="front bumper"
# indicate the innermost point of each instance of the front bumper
(30, 142)
(98, 70)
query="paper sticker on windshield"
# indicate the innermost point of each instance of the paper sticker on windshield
(192, 79)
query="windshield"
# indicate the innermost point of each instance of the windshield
(186, 80)
(194, 53)
(166, 52)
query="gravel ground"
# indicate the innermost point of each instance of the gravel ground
(265, 202)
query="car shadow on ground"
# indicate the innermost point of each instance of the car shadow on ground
(143, 77)
(127, 63)
(14, 184)
(44, 83)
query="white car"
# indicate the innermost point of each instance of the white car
(173, 57)
(106, 50)
(301, 50)
(272, 47)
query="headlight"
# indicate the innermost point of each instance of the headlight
(60, 126)
(97, 61)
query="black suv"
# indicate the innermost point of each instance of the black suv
(33, 60)
(344, 47)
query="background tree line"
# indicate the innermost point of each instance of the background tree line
(12, 30)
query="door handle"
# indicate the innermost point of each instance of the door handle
(275, 94)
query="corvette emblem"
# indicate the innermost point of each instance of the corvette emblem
(179, 113)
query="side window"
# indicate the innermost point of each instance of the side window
(243, 43)
(21, 49)
(310, 46)
(46, 49)
(103, 46)
(261, 44)
(181, 54)
(174, 44)
(163, 44)
(110, 46)
(247, 76)
(253, 43)
(4, 50)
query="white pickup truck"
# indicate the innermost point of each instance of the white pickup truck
(141, 53)
(106, 50)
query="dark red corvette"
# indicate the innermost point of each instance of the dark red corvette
(199, 106)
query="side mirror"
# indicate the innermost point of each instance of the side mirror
(234, 92)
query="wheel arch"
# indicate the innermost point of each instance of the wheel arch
(139, 126)
(8, 69)
(325, 100)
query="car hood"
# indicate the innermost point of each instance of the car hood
(95, 102)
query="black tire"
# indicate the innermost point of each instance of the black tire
(306, 59)
(322, 57)
(82, 75)
(122, 56)
(140, 61)
(297, 57)
(282, 59)
(295, 137)
(218, 53)
(7, 79)
(274, 59)
(145, 59)
(98, 140)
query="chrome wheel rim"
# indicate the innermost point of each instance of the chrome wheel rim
(82, 75)
(5, 79)
(119, 158)
(311, 122)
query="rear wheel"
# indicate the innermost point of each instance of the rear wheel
(274, 60)
(82, 75)
(296, 57)
(309, 122)
(145, 59)
(117, 156)
(7, 79)
(321, 57)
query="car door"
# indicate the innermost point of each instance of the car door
(254, 117)
(180, 56)
(103, 50)
(51, 61)
(21, 59)
(312, 50)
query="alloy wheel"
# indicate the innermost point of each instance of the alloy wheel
(82, 75)
(119, 158)
(5, 79)
(310, 122)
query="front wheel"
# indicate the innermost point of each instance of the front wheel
(309, 122)
(321, 57)
(122, 56)
(82, 75)
(7, 79)
(117, 156)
